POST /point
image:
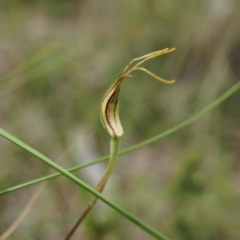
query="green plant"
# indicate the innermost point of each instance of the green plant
(77, 181)
(110, 119)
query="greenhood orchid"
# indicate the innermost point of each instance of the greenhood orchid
(110, 103)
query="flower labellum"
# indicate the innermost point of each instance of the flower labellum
(110, 104)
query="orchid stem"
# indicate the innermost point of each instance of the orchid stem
(114, 145)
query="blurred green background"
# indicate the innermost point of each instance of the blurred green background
(57, 59)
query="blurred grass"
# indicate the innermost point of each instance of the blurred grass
(186, 185)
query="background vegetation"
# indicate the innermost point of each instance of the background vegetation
(57, 59)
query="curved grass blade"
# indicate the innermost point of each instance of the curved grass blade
(151, 231)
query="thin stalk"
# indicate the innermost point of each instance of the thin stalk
(114, 145)
(24, 213)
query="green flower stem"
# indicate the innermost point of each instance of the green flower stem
(170, 131)
(153, 232)
(114, 145)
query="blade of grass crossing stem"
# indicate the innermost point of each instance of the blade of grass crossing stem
(170, 131)
(151, 231)
(80, 183)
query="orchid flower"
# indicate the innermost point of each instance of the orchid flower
(110, 104)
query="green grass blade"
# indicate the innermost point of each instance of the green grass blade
(51, 176)
(190, 120)
(82, 184)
